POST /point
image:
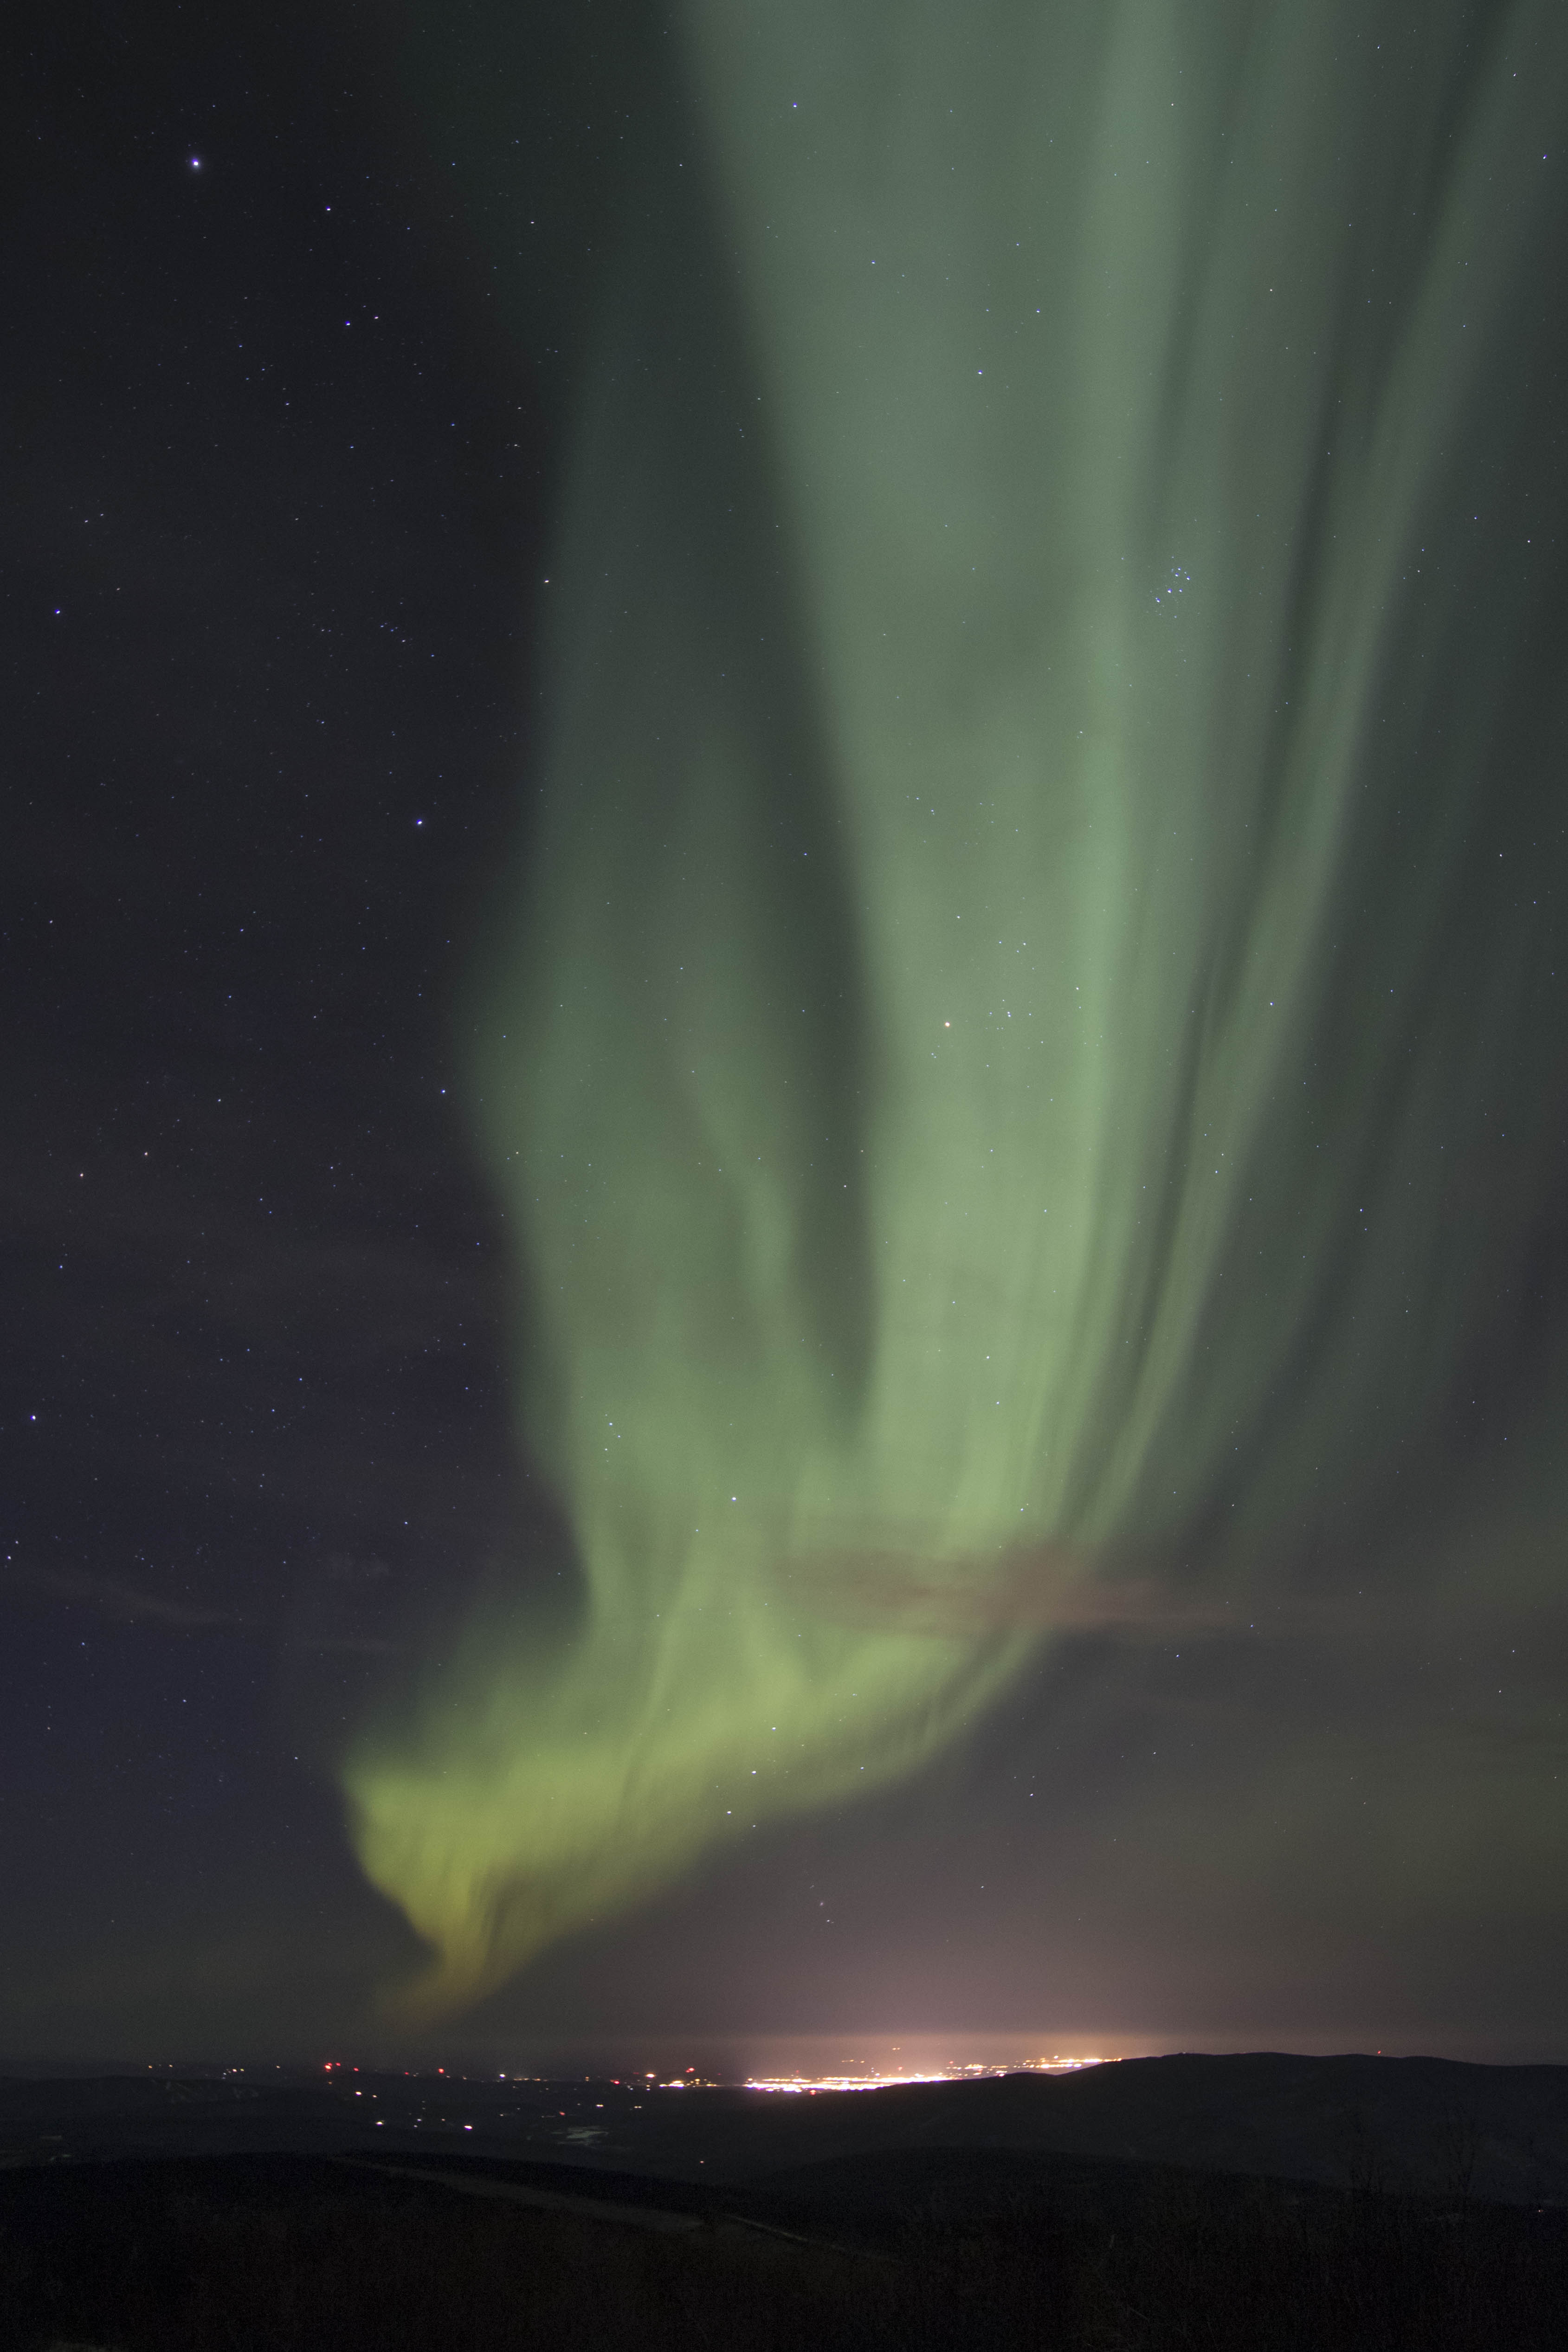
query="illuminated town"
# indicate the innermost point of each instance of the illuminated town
(881, 2080)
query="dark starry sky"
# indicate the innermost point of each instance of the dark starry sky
(279, 487)
(275, 494)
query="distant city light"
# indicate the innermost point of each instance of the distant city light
(880, 2082)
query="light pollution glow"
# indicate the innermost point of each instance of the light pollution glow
(938, 1063)
(887, 2082)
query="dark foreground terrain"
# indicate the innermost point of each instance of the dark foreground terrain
(934, 2248)
(1260, 2203)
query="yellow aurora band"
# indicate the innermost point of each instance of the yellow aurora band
(976, 1059)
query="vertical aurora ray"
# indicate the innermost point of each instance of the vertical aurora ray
(1036, 684)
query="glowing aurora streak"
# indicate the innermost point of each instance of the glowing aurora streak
(989, 955)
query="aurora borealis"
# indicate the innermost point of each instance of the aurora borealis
(1025, 936)
(787, 1177)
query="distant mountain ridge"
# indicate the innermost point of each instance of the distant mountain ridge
(1426, 2124)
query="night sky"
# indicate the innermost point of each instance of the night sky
(786, 853)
